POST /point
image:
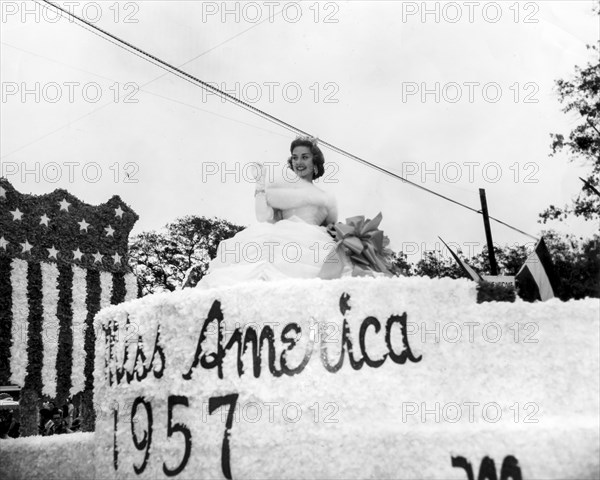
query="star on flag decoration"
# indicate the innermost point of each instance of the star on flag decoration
(58, 227)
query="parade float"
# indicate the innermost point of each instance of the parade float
(347, 378)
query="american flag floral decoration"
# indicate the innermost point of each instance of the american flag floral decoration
(61, 261)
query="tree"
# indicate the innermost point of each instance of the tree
(161, 259)
(576, 262)
(582, 96)
(434, 265)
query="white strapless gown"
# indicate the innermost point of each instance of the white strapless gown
(291, 248)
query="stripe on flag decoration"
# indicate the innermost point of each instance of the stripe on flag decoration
(17, 360)
(49, 327)
(61, 260)
(465, 266)
(537, 279)
(131, 287)
(79, 326)
(106, 287)
(6, 322)
(64, 311)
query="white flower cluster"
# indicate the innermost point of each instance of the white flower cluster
(20, 308)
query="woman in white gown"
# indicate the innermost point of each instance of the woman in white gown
(291, 239)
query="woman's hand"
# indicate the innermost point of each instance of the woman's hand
(260, 177)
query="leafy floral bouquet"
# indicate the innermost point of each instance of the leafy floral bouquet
(361, 247)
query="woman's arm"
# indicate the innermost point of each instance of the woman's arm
(285, 198)
(263, 211)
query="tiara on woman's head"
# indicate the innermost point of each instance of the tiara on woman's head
(308, 138)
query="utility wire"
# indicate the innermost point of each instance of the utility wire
(215, 90)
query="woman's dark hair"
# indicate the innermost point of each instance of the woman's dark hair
(318, 158)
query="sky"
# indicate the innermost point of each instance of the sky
(453, 96)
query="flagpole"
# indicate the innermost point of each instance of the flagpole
(488, 233)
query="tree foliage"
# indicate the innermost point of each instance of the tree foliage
(435, 264)
(401, 264)
(577, 263)
(160, 260)
(580, 96)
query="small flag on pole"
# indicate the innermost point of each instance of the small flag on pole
(537, 274)
(465, 266)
